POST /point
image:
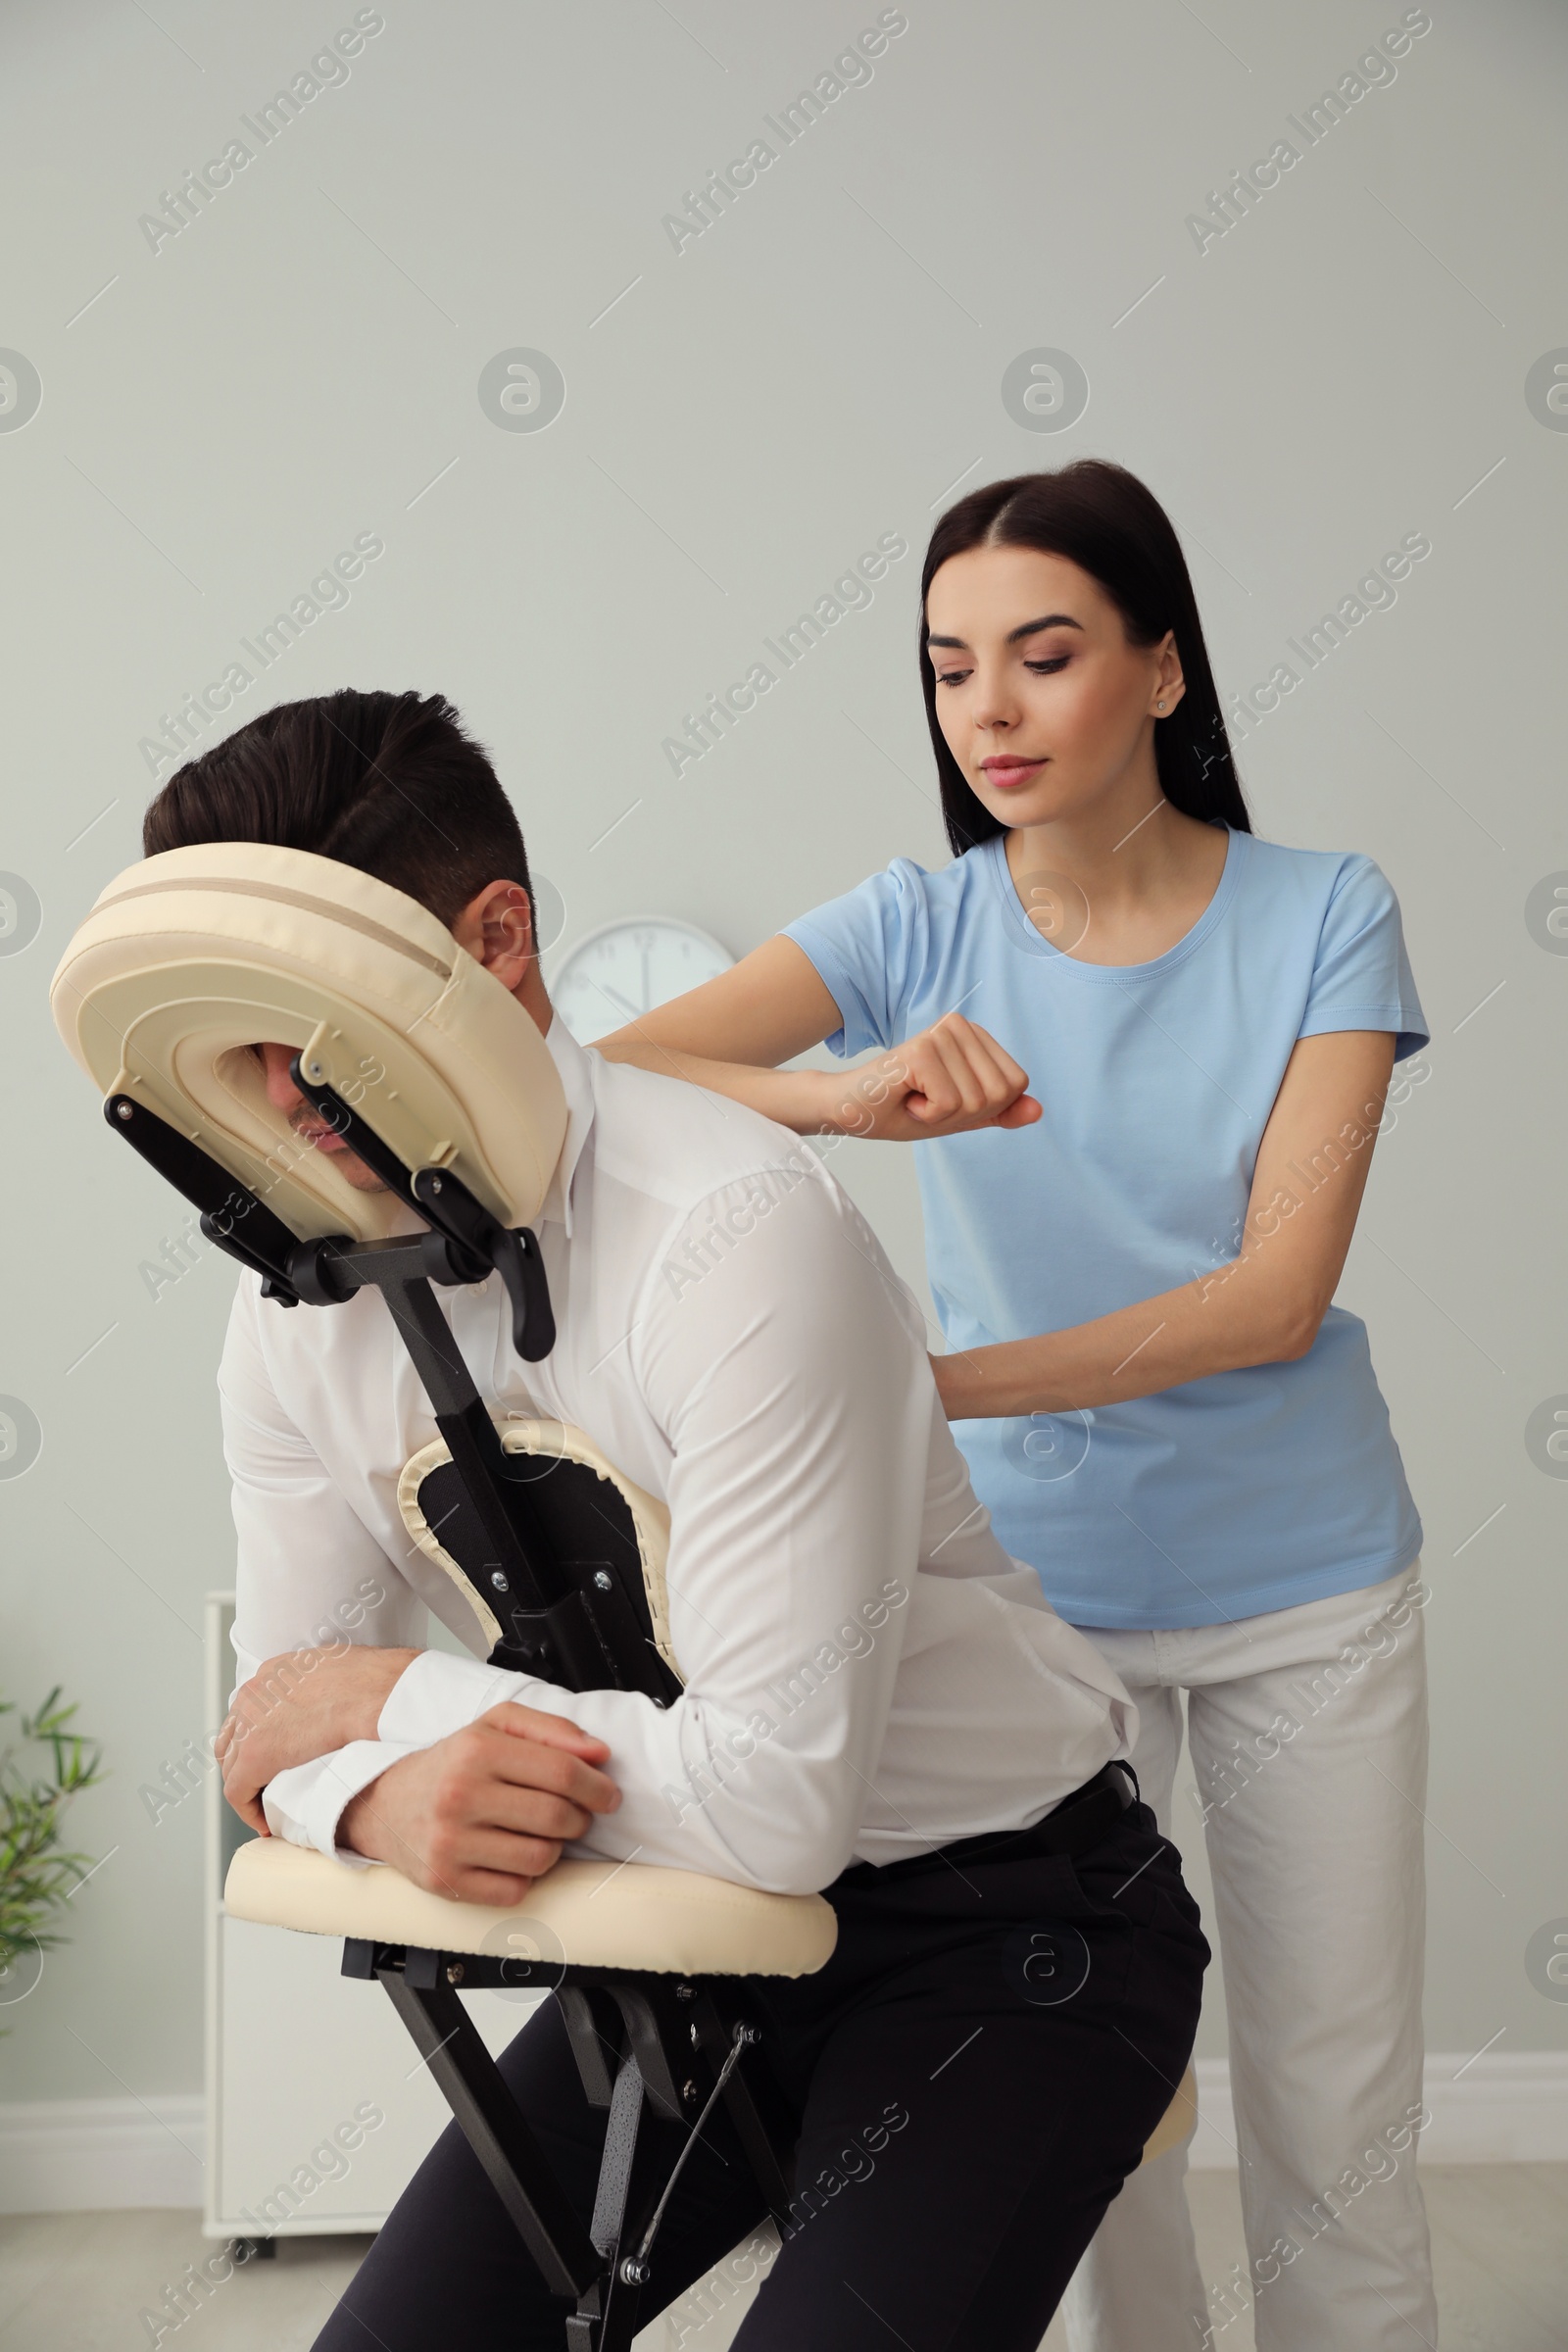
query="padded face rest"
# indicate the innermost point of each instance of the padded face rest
(595, 1520)
(191, 956)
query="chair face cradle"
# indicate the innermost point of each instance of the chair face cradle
(560, 1559)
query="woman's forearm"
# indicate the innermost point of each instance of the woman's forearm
(1264, 1307)
(1240, 1314)
(732, 1034)
(866, 1100)
(793, 1098)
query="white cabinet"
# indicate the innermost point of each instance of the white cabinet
(301, 2061)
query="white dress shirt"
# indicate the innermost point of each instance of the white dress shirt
(867, 1673)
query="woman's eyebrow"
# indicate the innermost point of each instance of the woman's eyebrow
(1051, 620)
(1048, 620)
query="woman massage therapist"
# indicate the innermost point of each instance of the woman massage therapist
(1134, 1265)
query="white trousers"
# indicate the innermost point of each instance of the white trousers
(1307, 1734)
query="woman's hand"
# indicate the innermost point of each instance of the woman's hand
(485, 1812)
(951, 1079)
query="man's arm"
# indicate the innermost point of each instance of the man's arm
(308, 1574)
(792, 1382)
(297, 1707)
(486, 1811)
(319, 1610)
(477, 1816)
(313, 1591)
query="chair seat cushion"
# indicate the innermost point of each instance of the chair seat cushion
(580, 1914)
(1176, 2121)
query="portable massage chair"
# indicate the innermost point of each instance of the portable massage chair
(439, 1081)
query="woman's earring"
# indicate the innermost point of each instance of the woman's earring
(1160, 706)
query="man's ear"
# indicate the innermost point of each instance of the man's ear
(496, 928)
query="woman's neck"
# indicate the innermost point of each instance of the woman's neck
(1114, 884)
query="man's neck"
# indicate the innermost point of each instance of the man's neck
(531, 995)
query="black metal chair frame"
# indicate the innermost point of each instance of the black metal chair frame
(645, 2044)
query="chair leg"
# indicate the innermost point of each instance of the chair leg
(713, 2036)
(471, 2082)
(660, 2032)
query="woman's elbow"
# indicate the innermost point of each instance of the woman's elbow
(1297, 1330)
(620, 1045)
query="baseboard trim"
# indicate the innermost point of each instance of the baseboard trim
(102, 2155)
(1494, 2109)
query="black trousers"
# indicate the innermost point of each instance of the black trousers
(974, 2072)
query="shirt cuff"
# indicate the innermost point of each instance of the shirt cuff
(305, 1803)
(438, 1693)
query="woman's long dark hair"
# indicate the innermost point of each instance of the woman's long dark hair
(1104, 519)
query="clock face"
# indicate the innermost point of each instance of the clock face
(626, 968)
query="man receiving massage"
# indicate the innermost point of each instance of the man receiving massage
(879, 1702)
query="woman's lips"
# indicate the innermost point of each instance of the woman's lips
(1010, 773)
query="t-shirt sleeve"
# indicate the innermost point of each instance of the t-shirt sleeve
(866, 946)
(1362, 978)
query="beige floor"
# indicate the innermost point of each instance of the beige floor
(79, 2282)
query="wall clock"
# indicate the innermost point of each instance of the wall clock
(624, 969)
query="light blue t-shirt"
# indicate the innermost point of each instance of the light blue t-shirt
(1243, 1491)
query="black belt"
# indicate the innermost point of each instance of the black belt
(1082, 1819)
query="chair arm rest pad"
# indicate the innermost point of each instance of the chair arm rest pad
(586, 1914)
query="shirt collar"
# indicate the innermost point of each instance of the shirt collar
(576, 1079)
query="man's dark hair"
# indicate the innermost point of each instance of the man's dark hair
(387, 782)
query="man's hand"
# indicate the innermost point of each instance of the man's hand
(297, 1707)
(950, 1078)
(485, 1812)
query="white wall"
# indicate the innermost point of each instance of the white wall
(300, 364)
